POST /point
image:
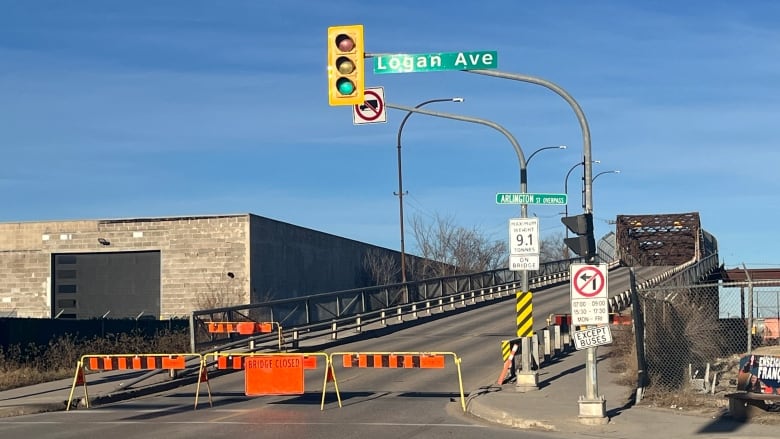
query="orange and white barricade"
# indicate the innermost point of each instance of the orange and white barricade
(399, 360)
(112, 362)
(246, 328)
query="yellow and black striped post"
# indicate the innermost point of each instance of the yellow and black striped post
(525, 318)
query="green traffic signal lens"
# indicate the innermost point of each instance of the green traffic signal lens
(345, 86)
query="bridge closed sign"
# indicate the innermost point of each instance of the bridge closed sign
(592, 337)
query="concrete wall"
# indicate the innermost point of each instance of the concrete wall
(291, 261)
(206, 261)
(196, 255)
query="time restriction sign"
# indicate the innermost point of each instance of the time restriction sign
(589, 298)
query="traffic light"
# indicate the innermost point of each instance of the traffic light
(584, 244)
(346, 72)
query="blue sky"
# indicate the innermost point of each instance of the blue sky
(114, 109)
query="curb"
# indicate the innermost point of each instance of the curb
(497, 416)
(31, 409)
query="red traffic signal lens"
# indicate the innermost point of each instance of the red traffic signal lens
(345, 86)
(345, 43)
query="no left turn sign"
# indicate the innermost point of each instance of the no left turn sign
(588, 281)
(372, 110)
(589, 294)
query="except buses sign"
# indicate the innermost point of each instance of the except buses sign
(431, 62)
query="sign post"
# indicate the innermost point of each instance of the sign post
(589, 306)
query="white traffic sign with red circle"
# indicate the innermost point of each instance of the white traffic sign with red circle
(372, 110)
(589, 294)
(589, 281)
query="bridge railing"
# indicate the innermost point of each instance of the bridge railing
(691, 272)
(327, 314)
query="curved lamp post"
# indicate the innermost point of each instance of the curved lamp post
(400, 177)
(566, 191)
(524, 172)
(542, 149)
(614, 171)
(566, 185)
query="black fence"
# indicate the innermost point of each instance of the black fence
(25, 331)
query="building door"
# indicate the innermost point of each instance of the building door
(115, 285)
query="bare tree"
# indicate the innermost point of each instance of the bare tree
(446, 248)
(552, 248)
(382, 266)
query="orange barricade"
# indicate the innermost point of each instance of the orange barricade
(105, 363)
(269, 373)
(245, 328)
(619, 319)
(394, 361)
(399, 360)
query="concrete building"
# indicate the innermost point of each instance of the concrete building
(166, 267)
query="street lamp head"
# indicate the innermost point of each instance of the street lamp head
(596, 161)
(562, 147)
(615, 171)
(458, 99)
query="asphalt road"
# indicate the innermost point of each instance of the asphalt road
(376, 403)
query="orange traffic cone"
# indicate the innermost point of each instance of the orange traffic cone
(507, 366)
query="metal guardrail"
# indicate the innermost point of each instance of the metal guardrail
(328, 313)
(691, 272)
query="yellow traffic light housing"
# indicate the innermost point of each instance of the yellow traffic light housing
(346, 73)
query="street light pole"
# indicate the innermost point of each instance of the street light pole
(566, 191)
(615, 171)
(542, 149)
(527, 379)
(400, 181)
(524, 172)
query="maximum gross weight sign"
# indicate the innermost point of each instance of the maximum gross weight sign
(589, 294)
(524, 236)
(523, 244)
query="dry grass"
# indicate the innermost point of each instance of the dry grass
(622, 355)
(622, 360)
(33, 364)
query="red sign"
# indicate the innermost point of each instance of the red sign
(589, 281)
(372, 109)
(274, 375)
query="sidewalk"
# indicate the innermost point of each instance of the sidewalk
(103, 388)
(554, 407)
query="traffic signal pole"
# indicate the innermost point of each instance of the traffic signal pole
(592, 406)
(586, 150)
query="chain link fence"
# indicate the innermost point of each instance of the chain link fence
(694, 334)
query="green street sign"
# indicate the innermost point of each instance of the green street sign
(521, 198)
(432, 62)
